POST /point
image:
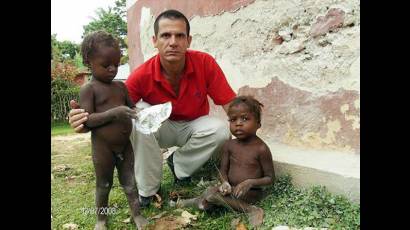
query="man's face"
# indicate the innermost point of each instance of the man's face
(172, 40)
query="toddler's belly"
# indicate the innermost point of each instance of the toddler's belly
(238, 175)
(116, 133)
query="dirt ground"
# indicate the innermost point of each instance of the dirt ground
(72, 137)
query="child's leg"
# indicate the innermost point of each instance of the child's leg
(241, 205)
(255, 213)
(199, 202)
(212, 197)
(104, 169)
(125, 168)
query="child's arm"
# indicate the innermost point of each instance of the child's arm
(267, 164)
(224, 163)
(265, 159)
(128, 101)
(225, 188)
(98, 119)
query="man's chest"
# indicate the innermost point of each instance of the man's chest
(188, 89)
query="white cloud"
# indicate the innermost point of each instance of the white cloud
(69, 16)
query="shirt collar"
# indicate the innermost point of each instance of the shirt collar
(188, 67)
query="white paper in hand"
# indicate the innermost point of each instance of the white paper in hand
(150, 119)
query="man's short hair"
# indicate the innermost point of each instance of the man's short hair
(171, 14)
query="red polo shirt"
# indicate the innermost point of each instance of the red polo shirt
(202, 76)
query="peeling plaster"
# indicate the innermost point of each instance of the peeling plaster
(344, 108)
(244, 43)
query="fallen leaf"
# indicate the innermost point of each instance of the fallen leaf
(201, 183)
(164, 151)
(235, 223)
(179, 210)
(127, 220)
(187, 217)
(158, 216)
(70, 226)
(158, 201)
(168, 223)
(70, 178)
(241, 226)
(61, 168)
(173, 195)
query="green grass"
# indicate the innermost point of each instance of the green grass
(73, 191)
(61, 128)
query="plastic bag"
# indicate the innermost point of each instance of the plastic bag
(150, 119)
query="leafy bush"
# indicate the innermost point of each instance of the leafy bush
(62, 91)
(63, 88)
(66, 70)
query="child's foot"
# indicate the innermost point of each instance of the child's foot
(140, 221)
(100, 225)
(255, 216)
(212, 195)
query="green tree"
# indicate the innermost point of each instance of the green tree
(78, 61)
(64, 50)
(55, 50)
(112, 20)
(69, 49)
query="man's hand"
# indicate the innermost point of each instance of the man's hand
(242, 188)
(225, 188)
(77, 117)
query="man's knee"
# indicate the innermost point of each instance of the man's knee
(220, 131)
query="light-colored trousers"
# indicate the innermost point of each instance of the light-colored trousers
(197, 140)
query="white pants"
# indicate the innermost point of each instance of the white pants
(198, 140)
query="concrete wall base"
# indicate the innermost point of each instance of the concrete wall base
(339, 172)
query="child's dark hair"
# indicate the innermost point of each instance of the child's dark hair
(171, 14)
(93, 41)
(253, 105)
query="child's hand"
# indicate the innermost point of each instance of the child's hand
(123, 112)
(225, 188)
(136, 110)
(242, 188)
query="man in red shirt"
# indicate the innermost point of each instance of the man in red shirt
(186, 78)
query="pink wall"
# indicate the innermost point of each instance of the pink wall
(188, 8)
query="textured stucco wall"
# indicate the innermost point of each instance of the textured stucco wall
(300, 58)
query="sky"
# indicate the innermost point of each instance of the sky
(69, 16)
